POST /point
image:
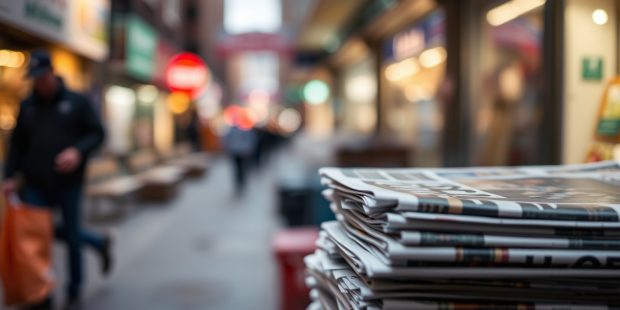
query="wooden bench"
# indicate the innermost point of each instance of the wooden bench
(105, 181)
(195, 164)
(160, 182)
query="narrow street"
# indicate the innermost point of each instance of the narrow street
(205, 250)
(118, 102)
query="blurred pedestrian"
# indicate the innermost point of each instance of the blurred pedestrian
(193, 131)
(261, 147)
(241, 144)
(56, 131)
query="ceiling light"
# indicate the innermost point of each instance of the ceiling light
(599, 17)
(361, 88)
(178, 102)
(511, 10)
(316, 92)
(432, 57)
(17, 60)
(400, 70)
(147, 93)
(119, 95)
(12, 59)
(289, 120)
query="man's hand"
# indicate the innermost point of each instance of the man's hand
(9, 186)
(68, 160)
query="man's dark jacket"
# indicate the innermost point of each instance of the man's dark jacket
(44, 129)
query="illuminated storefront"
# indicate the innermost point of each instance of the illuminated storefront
(75, 34)
(591, 61)
(319, 105)
(358, 89)
(353, 89)
(159, 88)
(412, 72)
(507, 89)
(13, 88)
(502, 92)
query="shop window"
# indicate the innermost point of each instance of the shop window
(258, 70)
(358, 113)
(120, 103)
(243, 16)
(13, 88)
(507, 90)
(413, 72)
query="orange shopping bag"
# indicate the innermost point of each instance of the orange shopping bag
(26, 238)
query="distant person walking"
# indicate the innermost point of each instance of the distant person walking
(56, 131)
(241, 145)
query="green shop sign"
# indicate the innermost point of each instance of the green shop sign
(49, 14)
(140, 45)
(592, 68)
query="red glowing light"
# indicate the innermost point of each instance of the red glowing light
(239, 116)
(186, 72)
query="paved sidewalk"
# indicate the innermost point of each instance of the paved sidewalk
(205, 250)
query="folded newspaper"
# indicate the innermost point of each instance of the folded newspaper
(575, 194)
(538, 237)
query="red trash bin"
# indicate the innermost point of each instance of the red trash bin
(290, 247)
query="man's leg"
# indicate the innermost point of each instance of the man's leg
(89, 237)
(238, 166)
(70, 231)
(71, 208)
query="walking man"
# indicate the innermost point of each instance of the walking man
(56, 131)
(241, 145)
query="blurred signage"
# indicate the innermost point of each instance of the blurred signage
(414, 39)
(592, 68)
(187, 73)
(408, 44)
(140, 45)
(46, 13)
(254, 42)
(80, 25)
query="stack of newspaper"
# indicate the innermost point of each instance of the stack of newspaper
(545, 237)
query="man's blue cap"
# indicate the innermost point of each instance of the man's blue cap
(40, 63)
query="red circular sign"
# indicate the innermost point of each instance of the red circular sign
(186, 72)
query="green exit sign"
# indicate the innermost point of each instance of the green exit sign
(592, 68)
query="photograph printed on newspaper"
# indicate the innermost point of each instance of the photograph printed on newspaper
(453, 233)
(364, 261)
(587, 192)
(393, 253)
